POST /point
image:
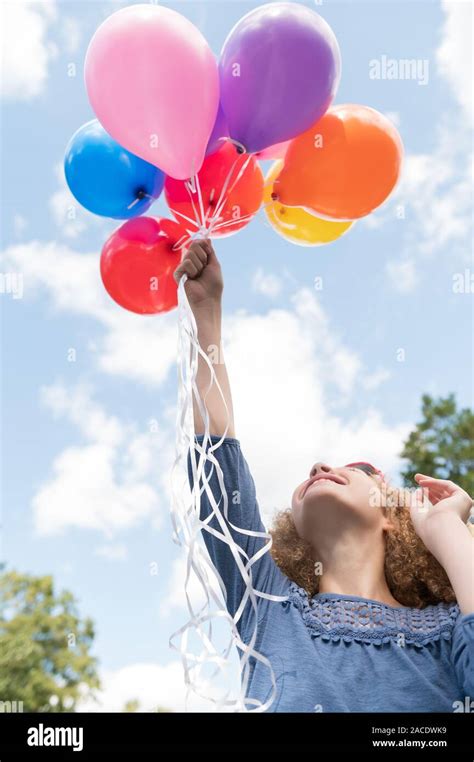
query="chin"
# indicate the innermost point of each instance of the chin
(325, 499)
(324, 489)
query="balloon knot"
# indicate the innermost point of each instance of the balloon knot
(238, 146)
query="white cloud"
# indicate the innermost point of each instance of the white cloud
(267, 284)
(374, 380)
(436, 188)
(71, 34)
(403, 275)
(81, 410)
(68, 215)
(71, 280)
(152, 685)
(20, 224)
(283, 367)
(112, 551)
(140, 347)
(71, 218)
(104, 484)
(175, 597)
(26, 50)
(454, 54)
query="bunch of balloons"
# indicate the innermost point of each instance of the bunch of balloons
(171, 118)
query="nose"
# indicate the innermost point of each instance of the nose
(320, 468)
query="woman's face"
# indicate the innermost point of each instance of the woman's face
(331, 495)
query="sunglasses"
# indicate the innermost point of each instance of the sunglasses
(367, 468)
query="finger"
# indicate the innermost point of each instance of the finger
(433, 479)
(431, 483)
(441, 487)
(196, 256)
(178, 273)
(434, 483)
(212, 259)
(197, 259)
(432, 490)
(186, 268)
(198, 249)
(431, 498)
(206, 245)
(419, 477)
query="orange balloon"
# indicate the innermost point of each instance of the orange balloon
(344, 167)
(226, 194)
(296, 224)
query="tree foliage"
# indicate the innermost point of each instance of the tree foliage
(45, 659)
(442, 443)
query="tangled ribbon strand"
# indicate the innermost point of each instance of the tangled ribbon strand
(188, 527)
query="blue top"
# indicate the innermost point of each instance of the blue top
(336, 653)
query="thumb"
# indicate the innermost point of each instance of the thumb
(180, 270)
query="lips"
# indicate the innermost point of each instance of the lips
(323, 477)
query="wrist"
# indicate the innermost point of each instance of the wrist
(439, 531)
(209, 309)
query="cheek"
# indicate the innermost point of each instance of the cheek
(372, 496)
(368, 502)
(361, 493)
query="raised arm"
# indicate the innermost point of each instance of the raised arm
(204, 289)
(443, 529)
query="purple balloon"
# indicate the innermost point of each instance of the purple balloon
(279, 71)
(219, 131)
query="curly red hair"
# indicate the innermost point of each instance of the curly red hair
(414, 576)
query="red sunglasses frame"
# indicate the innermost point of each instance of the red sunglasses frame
(365, 463)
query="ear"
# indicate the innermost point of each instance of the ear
(390, 500)
(388, 524)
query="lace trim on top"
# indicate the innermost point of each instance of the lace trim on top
(350, 618)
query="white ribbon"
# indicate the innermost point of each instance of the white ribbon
(188, 527)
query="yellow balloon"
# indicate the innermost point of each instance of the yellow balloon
(295, 223)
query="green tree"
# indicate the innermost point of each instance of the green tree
(133, 705)
(45, 659)
(442, 443)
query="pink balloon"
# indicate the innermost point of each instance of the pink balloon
(278, 151)
(153, 83)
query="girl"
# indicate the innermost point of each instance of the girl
(378, 609)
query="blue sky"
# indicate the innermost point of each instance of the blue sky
(332, 374)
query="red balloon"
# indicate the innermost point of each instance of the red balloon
(228, 191)
(138, 261)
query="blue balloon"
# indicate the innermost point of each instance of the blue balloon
(107, 179)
